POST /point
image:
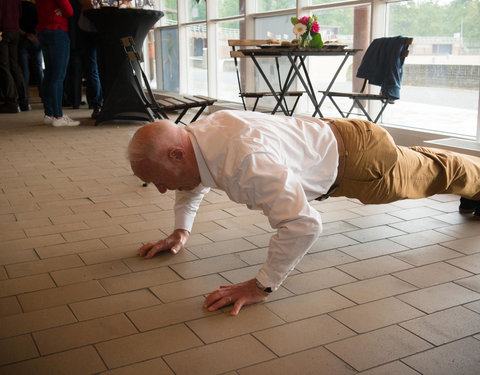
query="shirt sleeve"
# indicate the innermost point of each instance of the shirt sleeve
(186, 206)
(265, 184)
(65, 7)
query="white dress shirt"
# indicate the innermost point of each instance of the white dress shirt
(273, 163)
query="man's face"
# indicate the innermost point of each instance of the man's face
(164, 178)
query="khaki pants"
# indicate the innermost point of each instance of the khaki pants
(378, 171)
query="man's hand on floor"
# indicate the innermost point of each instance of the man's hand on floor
(239, 295)
(175, 242)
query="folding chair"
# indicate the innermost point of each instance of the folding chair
(257, 95)
(382, 65)
(159, 103)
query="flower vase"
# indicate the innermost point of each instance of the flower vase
(304, 40)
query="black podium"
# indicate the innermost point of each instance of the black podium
(122, 99)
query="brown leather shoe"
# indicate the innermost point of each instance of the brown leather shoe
(96, 112)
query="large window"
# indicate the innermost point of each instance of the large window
(442, 72)
(440, 90)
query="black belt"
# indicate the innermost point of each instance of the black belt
(341, 163)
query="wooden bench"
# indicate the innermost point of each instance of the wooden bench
(257, 95)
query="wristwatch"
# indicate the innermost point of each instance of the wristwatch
(263, 288)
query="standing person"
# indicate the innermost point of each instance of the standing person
(11, 77)
(278, 164)
(29, 49)
(53, 35)
(87, 44)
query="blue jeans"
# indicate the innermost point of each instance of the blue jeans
(30, 55)
(56, 52)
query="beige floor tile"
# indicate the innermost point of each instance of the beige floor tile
(78, 218)
(377, 314)
(109, 254)
(253, 257)
(260, 240)
(204, 360)
(308, 305)
(139, 280)
(229, 234)
(445, 326)
(316, 280)
(73, 362)
(439, 297)
(373, 289)
(152, 367)
(414, 213)
(61, 295)
(337, 227)
(109, 305)
(188, 288)
(418, 225)
(316, 361)
(3, 273)
(9, 306)
(472, 283)
(470, 263)
(243, 274)
(361, 352)
(25, 284)
(12, 235)
(52, 229)
(393, 368)
(18, 256)
(374, 233)
(29, 243)
(373, 220)
(36, 320)
(147, 345)
(432, 274)
(426, 255)
(372, 249)
(459, 357)
(135, 239)
(121, 220)
(92, 272)
(323, 259)
(166, 258)
(208, 266)
(221, 248)
(304, 334)
(169, 313)
(331, 216)
(70, 248)
(43, 266)
(465, 245)
(223, 326)
(105, 206)
(88, 234)
(15, 349)
(374, 267)
(463, 230)
(425, 238)
(84, 333)
(330, 242)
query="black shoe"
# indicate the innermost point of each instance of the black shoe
(467, 206)
(9, 108)
(25, 106)
(96, 112)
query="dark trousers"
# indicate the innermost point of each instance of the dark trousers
(11, 77)
(30, 60)
(56, 51)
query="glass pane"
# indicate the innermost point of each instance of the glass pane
(440, 85)
(197, 59)
(229, 8)
(268, 5)
(170, 8)
(227, 83)
(196, 10)
(169, 66)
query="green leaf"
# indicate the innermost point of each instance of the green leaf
(316, 41)
(294, 20)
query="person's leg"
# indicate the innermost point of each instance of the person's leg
(17, 72)
(23, 60)
(48, 50)
(378, 171)
(7, 81)
(37, 67)
(94, 92)
(59, 61)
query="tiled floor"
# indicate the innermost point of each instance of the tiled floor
(389, 289)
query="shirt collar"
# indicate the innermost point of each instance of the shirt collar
(205, 175)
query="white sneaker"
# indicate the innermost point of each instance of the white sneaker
(65, 121)
(47, 120)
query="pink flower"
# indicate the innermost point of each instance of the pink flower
(303, 20)
(315, 27)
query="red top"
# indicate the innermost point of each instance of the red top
(53, 14)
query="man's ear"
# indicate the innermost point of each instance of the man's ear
(175, 153)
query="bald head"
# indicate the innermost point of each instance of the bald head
(162, 153)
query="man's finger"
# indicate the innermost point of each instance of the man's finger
(237, 306)
(144, 249)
